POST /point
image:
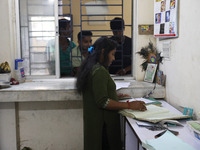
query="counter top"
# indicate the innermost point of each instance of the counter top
(64, 89)
(44, 84)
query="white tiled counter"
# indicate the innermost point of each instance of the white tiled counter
(47, 114)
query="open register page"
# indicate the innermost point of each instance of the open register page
(153, 114)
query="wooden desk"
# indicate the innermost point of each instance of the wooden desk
(135, 135)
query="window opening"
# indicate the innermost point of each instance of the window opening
(66, 43)
(37, 28)
(99, 14)
(38, 31)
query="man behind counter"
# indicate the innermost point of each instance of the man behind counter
(123, 55)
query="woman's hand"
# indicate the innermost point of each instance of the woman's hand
(138, 105)
(123, 96)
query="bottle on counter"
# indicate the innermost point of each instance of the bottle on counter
(19, 70)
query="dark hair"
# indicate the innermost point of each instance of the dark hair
(92, 59)
(117, 24)
(83, 34)
(63, 23)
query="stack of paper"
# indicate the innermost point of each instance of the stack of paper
(167, 141)
(152, 114)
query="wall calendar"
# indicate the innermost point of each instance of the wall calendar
(165, 18)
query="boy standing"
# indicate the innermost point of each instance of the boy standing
(80, 52)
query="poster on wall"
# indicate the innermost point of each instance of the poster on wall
(165, 18)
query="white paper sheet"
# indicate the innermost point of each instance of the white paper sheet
(121, 84)
(167, 141)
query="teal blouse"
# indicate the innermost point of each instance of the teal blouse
(100, 87)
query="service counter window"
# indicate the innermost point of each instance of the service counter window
(55, 35)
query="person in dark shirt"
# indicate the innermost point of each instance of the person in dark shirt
(123, 56)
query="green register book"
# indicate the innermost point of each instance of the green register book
(153, 114)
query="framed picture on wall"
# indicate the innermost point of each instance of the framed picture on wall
(150, 72)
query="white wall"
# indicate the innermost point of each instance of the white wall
(183, 68)
(7, 32)
(8, 136)
(51, 125)
(144, 17)
(4, 32)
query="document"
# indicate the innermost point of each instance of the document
(149, 101)
(168, 141)
(120, 85)
(153, 114)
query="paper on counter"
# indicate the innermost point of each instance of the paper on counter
(167, 141)
(120, 85)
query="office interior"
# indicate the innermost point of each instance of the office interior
(181, 69)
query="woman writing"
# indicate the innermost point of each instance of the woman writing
(100, 101)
